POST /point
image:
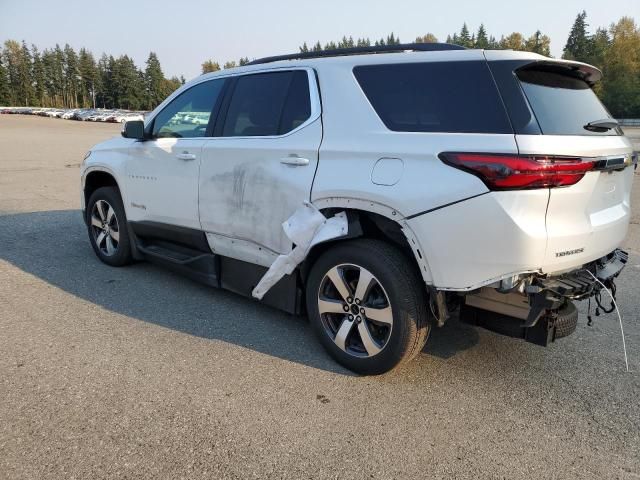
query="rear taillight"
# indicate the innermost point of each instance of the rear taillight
(516, 172)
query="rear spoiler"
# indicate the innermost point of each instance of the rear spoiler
(588, 73)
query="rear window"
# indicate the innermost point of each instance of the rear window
(563, 104)
(458, 97)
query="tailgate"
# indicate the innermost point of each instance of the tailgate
(587, 220)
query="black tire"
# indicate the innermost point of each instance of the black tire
(405, 292)
(121, 256)
(566, 320)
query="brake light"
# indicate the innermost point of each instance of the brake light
(516, 172)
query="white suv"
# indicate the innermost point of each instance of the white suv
(378, 190)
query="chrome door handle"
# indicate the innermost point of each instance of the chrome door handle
(186, 156)
(294, 161)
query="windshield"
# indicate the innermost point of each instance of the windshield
(562, 103)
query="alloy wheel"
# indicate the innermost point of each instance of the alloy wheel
(105, 228)
(355, 310)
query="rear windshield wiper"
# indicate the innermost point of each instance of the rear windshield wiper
(601, 125)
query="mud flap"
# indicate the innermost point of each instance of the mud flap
(305, 228)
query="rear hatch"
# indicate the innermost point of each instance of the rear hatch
(586, 219)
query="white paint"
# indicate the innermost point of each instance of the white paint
(156, 177)
(305, 228)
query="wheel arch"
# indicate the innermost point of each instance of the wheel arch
(371, 220)
(97, 178)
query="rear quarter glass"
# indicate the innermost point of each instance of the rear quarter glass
(456, 97)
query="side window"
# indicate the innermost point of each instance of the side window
(187, 116)
(458, 97)
(268, 104)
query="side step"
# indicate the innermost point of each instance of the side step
(199, 266)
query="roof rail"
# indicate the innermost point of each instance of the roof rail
(337, 52)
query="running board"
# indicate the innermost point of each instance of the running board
(199, 266)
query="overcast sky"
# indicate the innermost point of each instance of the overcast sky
(184, 34)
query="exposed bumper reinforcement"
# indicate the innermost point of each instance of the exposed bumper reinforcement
(550, 292)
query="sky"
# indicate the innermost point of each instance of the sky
(185, 33)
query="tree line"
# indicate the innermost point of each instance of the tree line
(62, 77)
(614, 50)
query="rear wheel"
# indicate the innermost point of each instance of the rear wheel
(367, 305)
(107, 226)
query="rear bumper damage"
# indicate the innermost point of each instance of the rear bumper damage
(530, 310)
(547, 293)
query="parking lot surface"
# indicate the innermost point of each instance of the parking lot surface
(139, 373)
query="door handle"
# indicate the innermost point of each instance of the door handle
(294, 161)
(186, 156)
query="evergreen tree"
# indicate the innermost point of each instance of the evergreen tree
(465, 39)
(243, 61)
(153, 79)
(72, 76)
(481, 38)
(577, 47)
(58, 78)
(600, 42)
(38, 78)
(304, 48)
(88, 77)
(5, 93)
(231, 64)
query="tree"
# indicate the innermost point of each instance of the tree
(427, 38)
(621, 83)
(153, 79)
(231, 64)
(170, 85)
(88, 77)
(71, 76)
(600, 42)
(514, 41)
(5, 92)
(538, 43)
(243, 61)
(465, 39)
(128, 84)
(481, 38)
(37, 77)
(577, 47)
(210, 66)
(17, 60)
(393, 40)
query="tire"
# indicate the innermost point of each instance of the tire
(107, 227)
(566, 320)
(388, 326)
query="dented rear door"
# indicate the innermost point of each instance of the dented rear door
(259, 167)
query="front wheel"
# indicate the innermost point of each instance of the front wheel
(368, 306)
(107, 226)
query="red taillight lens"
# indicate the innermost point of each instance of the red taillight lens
(516, 172)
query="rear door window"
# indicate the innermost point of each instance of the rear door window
(266, 104)
(458, 97)
(562, 103)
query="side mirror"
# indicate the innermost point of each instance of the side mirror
(134, 129)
